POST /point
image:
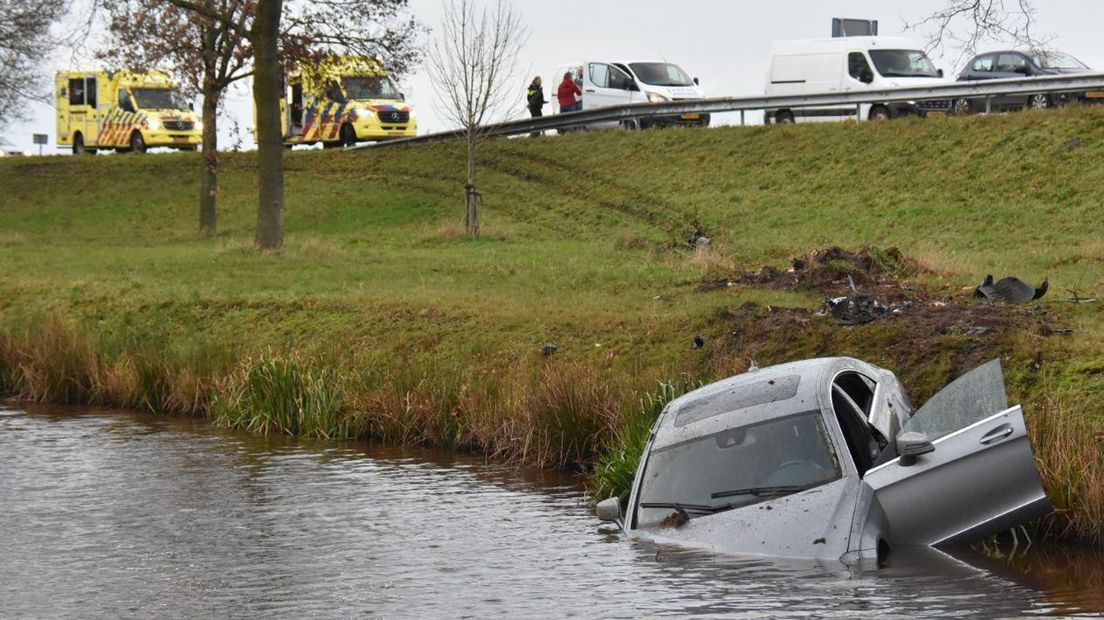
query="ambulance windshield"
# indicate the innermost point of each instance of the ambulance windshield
(370, 87)
(158, 99)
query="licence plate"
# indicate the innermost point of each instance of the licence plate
(691, 117)
(396, 133)
(1095, 94)
(179, 139)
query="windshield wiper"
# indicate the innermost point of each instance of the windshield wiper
(761, 491)
(678, 506)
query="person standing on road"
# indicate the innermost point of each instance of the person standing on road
(535, 97)
(569, 94)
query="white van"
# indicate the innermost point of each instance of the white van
(850, 64)
(619, 83)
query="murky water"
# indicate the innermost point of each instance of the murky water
(110, 514)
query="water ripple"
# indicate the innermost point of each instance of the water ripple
(106, 514)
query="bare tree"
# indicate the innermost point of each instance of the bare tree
(962, 25)
(473, 65)
(207, 54)
(24, 41)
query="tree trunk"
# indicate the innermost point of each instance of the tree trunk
(208, 194)
(267, 84)
(471, 195)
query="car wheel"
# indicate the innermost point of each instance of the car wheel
(783, 117)
(78, 145)
(1039, 102)
(631, 124)
(878, 113)
(137, 143)
(962, 106)
(348, 135)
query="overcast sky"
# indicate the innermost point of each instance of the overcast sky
(725, 43)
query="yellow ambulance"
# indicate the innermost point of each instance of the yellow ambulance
(123, 110)
(343, 100)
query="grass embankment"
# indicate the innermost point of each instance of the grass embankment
(380, 320)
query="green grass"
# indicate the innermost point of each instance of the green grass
(381, 316)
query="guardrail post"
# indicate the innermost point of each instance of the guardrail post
(988, 104)
(741, 118)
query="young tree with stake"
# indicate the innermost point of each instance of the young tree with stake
(472, 64)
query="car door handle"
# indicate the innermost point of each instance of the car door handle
(591, 90)
(1003, 431)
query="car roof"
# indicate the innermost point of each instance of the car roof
(755, 396)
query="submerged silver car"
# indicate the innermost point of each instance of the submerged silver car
(825, 458)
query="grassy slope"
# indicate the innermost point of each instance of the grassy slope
(579, 248)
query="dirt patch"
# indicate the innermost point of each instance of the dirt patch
(932, 336)
(826, 271)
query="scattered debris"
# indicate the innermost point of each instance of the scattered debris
(698, 239)
(676, 519)
(699, 342)
(1010, 290)
(856, 309)
(548, 349)
(978, 330)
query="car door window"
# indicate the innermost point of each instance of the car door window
(1012, 63)
(983, 64)
(599, 75)
(863, 442)
(76, 92)
(858, 67)
(619, 79)
(90, 91)
(973, 397)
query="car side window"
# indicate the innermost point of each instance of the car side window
(1012, 63)
(76, 92)
(862, 442)
(90, 91)
(983, 64)
(599, 75)
(619, 79)
(858, 67)
(971, 398)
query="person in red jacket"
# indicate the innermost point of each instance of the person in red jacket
(569, 94)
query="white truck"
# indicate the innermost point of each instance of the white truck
(846, 65)
(606, 83)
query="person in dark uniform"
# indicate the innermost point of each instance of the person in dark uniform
(535, 97)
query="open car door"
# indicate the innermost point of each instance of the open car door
(979, 480)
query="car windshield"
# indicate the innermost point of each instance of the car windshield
(735, 468)
(370, 87)
(903, 63)
(1058, 60)
(661, 74)
(158, 99)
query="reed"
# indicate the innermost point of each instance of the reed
(286, 396)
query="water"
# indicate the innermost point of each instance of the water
(107, 514)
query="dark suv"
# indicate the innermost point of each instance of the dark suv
(1017, 64)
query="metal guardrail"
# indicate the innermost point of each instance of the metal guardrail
(949, 91)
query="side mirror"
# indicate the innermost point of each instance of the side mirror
(402, 96)
(191, 106)
(939, 73)
(866, 77)
(696, 82)
(609, 509)
(633, 85)
(911, 445)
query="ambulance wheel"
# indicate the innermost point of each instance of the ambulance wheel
(783, 117)
(348, 135)
(331, 145)
(879, 113)
(631, 124)
(78, 145)
(137, 144)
